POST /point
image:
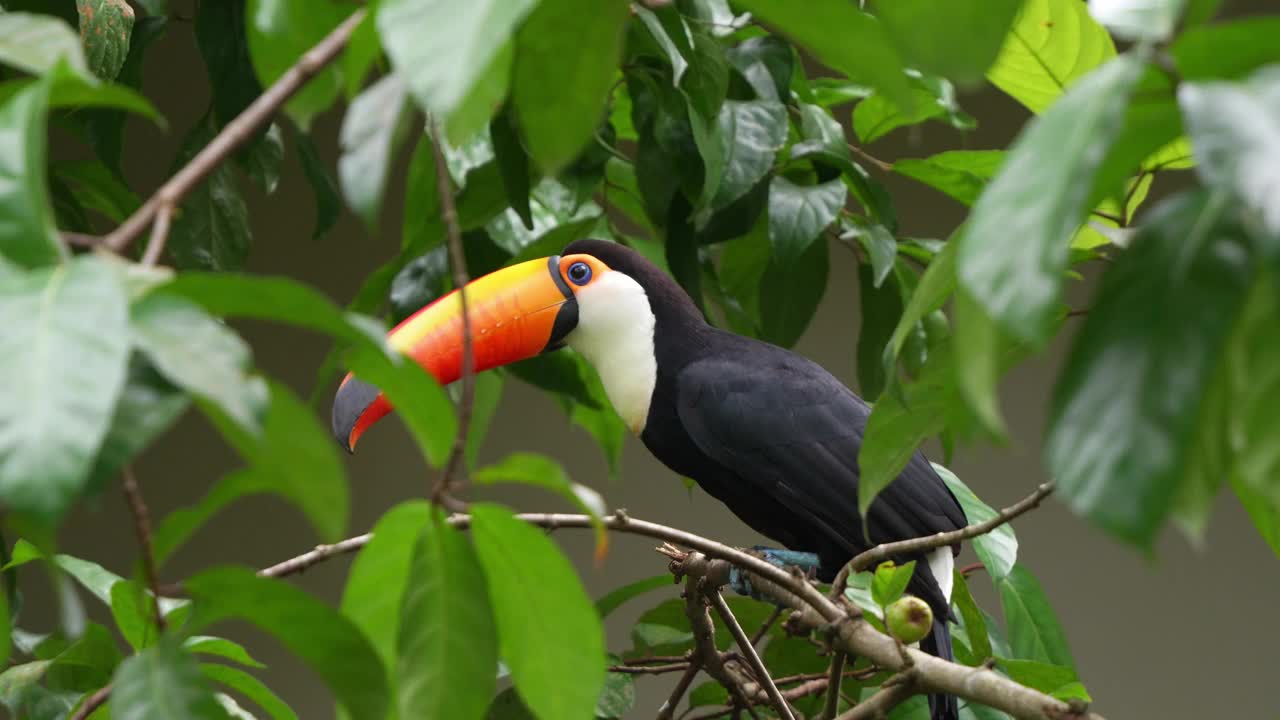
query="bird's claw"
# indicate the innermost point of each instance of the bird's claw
(740, 581)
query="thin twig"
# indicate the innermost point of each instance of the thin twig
(884, 166)
(764, 626)
(235, 134)
(1108, 216)
(441, 493)
(832, 705)
(93, 702)
(159, 236)
(704, 638)
(749, 651)
(142, 527)
(884, 551)
(650, 669)
(668, 709)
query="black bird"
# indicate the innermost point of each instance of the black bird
(769, 433)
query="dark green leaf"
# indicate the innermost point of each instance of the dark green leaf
(295, 458)
(1014, 250)
(880, 244)
(607, 604)
(998, 549)
(513, 164)
(617, 698)
(1060, 682)
(710, 693)
(563, 78)
(842, 37)
(448, 645)
(767, 63)
(798, 214)
(36, 43)
(1051, 45)
(957, 39)
(220, 35)
(66, 336)
(881, 307)
(419, 283)
(147, 407)
(549, 633)
(445, 52)
(935, 286)
(27, 231)
(376, 582)
(508, 706)
(105, 128)
(890, 581)
(262, 160)
(962, 174)
(1034, 632)
(196, 352)
(328, 202)
(328, 642)
(250, 687)
(750, 135)
(789, 294)
(975, 626)
(373, 129)
(220, 647)
(1126, 404)
(96, 188)
(419, 400)
(1226, 50)
(105, 28)
(279, 32)
(211, 229)
(161, 683)
(1137, 20)
(1233, 128)
(488, 394)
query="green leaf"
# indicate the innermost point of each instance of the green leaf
(1264, 513)
(1226, 50)
(1052, 44)
(66, 336)
(549, 633)
(1015, 247)
(750, 134)
(97, 188)
(373, 129)
(890, 581)
(790, 293)
(962, 174)
(543, 472)
(488, 394)
(881, 307)
(448, 646)
(1125, 407)
(280, 31)
(507, 705)
(935, 286)
(980, 347)
(198, 353)
(617, 698)
(512, 162)
(1034, 632)
(251, 688)
(933, 98)
(975, 626)
(445, 52)
(377, 579)
(957, 39)
(607, 604)
(105, 28)
(134, 613)
(1060, 682)
(1235, 130)
(363, 53)
(842, 37)
(295, 458)
(562, 79)
(418, 398)
(211, 229)
(160, 683)
(36, 43)
(106, 127)
(328, 202)
(220, 35)
(220, 647)
(262, 160)
(998, 549)
(27, 231)
(1137, 19)
(798, 214)
(328, 642)
(147, 407)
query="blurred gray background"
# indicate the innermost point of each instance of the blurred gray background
(1186, 633)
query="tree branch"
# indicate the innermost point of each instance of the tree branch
(813, 611)
(93, 702)
(832, 705)
(142, 528)
(441, 494)
(749, 651)
(159, 236)
(235, 134)
(704, 638)
(884, 551)
(668, 709)
(891, 694)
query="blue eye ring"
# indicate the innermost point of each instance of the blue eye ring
(579, 273)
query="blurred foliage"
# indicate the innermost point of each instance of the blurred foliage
(704, 134)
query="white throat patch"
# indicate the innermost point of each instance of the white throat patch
(615, 335)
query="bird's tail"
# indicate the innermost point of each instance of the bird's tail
(938, 643)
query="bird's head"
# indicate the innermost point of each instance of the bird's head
(599, 297)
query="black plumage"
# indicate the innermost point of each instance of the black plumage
(775, 437)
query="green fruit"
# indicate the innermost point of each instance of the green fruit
(909, 619)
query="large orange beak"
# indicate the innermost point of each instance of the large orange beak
(516, 312)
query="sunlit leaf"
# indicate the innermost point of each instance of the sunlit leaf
(962, 174)
(1052, 44)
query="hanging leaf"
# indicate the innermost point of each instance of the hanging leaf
(959, 40)
(373, 129)
(211, 228)
(160, 683)
(750, 133)
(279, 32)
(998, 549)
(105, 29)
(790, 294)
(543, 472)
(1052, 44)
(223, 43)
(328, 201)
(27, 230)
(798, 214)
(1034, 632)
(962, 174)
(36, 43)
(250, 687)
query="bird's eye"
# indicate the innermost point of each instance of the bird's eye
(579, 273)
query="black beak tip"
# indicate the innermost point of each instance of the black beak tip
(353, 398)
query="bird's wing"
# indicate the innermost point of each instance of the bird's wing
(791, 431)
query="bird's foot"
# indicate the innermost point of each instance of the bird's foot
(806, 562)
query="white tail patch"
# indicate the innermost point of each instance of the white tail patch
(941, 564)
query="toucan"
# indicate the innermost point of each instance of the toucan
(769, 433)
